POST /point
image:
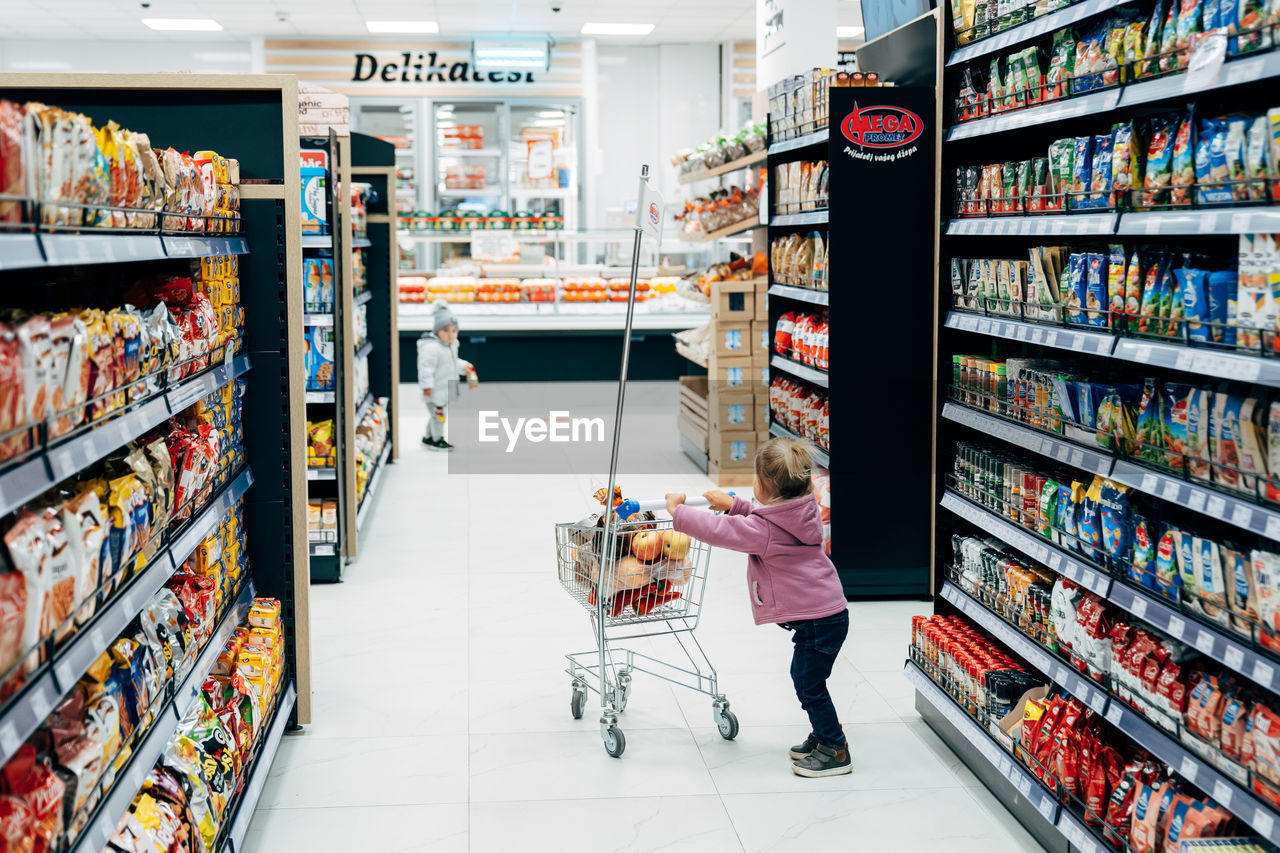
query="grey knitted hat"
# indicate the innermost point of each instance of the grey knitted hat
(442, 316)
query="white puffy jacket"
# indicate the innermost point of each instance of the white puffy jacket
(438, 364)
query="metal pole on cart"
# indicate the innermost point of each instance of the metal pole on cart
(613, 738)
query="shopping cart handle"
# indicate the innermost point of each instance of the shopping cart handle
(626, 509)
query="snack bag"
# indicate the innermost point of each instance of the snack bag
(1159, 171)
(1211, 169)
(1117, 273)
(1100, 175)
(29, 551)
(71, 366)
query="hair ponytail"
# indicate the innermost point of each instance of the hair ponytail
(785, 468)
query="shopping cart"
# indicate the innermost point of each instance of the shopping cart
(635, 577)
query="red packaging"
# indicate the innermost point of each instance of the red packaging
(43, 790)
(12, 161)
(783, 333)
(17, 823)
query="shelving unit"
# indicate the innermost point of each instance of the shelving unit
(336, 246)
(873, 203)
(373, 162)
(1014, 135)
(252, 118)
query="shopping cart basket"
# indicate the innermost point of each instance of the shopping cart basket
(634, 582)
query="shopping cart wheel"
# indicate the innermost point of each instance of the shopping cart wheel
(614, 742)
(727, 722)
(577, 701)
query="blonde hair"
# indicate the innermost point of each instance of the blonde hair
(785, 468)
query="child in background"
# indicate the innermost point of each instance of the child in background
(438, 365)
(791, 581)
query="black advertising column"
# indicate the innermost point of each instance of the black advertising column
(882, 275)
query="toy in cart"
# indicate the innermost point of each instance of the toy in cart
(636, 577)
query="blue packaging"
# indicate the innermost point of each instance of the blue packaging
(1115, 520)
(1222, 292)
(1077, 296)
(314, 215)
(1192, 288)
(1095, 289)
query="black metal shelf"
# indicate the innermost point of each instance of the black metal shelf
(819, 455)
(818, 137)
(1236, 71)
(1013, 771)
(801, 371)
(1061, 109)
(128, 781)
(1035, 28)
(1186, 763)
(809, 217)
(800, 294)
(1204, 361)
(242, 815)
(1222, 506)
(1224, 220)
(66, 457)
(31, 249)
(1039, 225)
(322, 549)
(1036, 547)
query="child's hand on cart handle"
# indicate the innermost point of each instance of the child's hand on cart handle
(720, 501)
(674, 499)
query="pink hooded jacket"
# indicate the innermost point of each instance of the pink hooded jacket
(788, 575)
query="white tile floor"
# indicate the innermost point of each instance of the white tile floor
(441, 718)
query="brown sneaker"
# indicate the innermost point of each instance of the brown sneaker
(824, 761)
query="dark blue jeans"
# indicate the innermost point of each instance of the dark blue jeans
(817, 642)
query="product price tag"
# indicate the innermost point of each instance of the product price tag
(1241, 515)
(1055, 560)
(1216, 507)
(1263, 673)
(1234, 656)
(1077, 342)
(984, 326)
(1152, 225)
(1139, 607)
(1142, 354)
(1189, 768)
(1208, 223)
(1222, 793)
(1041, 552)
(1263, 822)
(1037, 336)
(9, 741)
(1240, 223)
(1022, 333)
(1148, 484)
(1077, 458)
(1272, 530)
(1063, 453)
(1204, 642)
(1047, 805)
(1170, 490)
(1051, 339)
(1184, 360)
(1176, 627)
(1115, 714)
(1024, 785)
(1196, 500)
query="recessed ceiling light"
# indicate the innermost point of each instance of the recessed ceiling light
(184, 24)
(402, 26)
(849, 32)
(593, 28)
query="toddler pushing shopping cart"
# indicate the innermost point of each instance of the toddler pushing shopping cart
(634, 575)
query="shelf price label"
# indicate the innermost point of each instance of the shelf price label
(1189, 768)
(1176, 627)
(1217, 507)
(1196, 500)
(1272, 530)
(1263, 822)
(1222, 792)
(1204, 642)
(1234, 657)
(1263, 673)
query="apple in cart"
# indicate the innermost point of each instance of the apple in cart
(675, 545)
(647, 545)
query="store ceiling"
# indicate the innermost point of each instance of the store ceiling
(673, 20)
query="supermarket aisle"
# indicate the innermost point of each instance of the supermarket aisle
(442, 719)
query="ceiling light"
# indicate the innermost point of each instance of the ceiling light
(593, 28)
(507, 55)
(184, 24)
(550, 113)
(402, 26)
(849, 32)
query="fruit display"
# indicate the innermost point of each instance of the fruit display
(470, 220)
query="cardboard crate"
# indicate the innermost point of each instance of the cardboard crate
(761, 338)
(762, 302)
(733, 301)
(727, 374)
(732, 448)
(731, 477)
(734, 412)
(733, 340)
